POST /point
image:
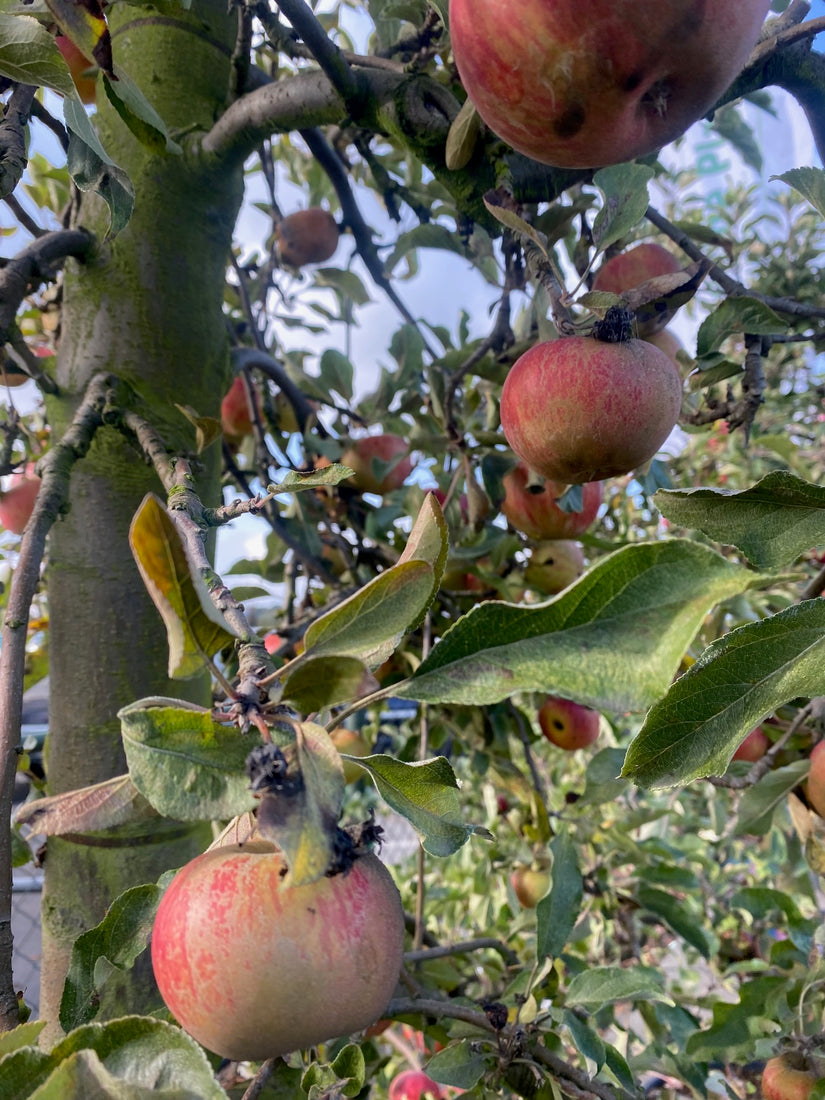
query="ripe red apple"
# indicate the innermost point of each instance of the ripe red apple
(307, 237)
(554, 565)
(665, 341)
(754, 746)
(567, 724)
(381, 463)
(414, 1084)
(353, 744)
(272, 641)
(530, 884)
(815, 783)
(17, 501)
(634, 267)
(577, 409)
(253, 968)
(82, 70)
(790, 1076)
(236, 415)
(537, 515)
(583, 85)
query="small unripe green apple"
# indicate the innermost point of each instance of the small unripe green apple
(82, 70)
(754, 746)
(380, 463)
(554, 565)
(17, 501)
(414, 1084)
(578, 409)
(581, 85)
(307, 237)
(534, 510)
(790, 1076)
(353, 744)
(253, 967)
(530, 884)
(567, 724)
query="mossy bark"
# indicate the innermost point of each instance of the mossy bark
(147, 309)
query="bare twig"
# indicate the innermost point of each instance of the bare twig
(258, 1082)
(326, 53)
(34, 265)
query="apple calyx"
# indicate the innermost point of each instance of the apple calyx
(616, 327)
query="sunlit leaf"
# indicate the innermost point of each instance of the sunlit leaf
(739, 679)
(194, 627)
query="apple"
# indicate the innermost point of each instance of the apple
(790, 1076)
(381, 463)
(671, 345)
(353, 744)
(530, 884)
(253, 967)
(272, 641)
(307, 237)
(579, 409)
(567, 724)
(82, 70)
(634, 267)
(815, 784)
(414, 1084)
(554, 565)
(754, 746)
(236, 415)
(17, 501)
(535, 511)
(585, 85)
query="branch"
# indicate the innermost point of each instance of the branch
(13, 137)
(33, 266)
(263, 361)
(329, 160)
(54, 470)
(433, 1006)
(326, 53)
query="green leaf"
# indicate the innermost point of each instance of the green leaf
(296, 481)
(424, 236)
(586, 1041)
(346, 283)
(732, 126)
(500, 207)
(428, 541)
(188, 766)
(104, 805)
(24, 1035)
(427, 795)
(29, 55)
(302, 817)
(461, 1065)
(679, 915)
(370, 624)
(558, 910)
(809, 182)
(324, 681)
(733, 317)
(95, 173)
(139, 114)
(634, 614)
(759, 803)
(114, 944)
(132, 1058)
(337, 372)
(601, 985)
(739, 679)
(772, 523)
(195, 628)
(624, 189)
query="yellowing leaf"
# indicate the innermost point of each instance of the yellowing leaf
(194, 627)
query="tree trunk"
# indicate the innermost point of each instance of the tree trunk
(147, 309)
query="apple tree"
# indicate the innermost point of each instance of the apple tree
(538, 627)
